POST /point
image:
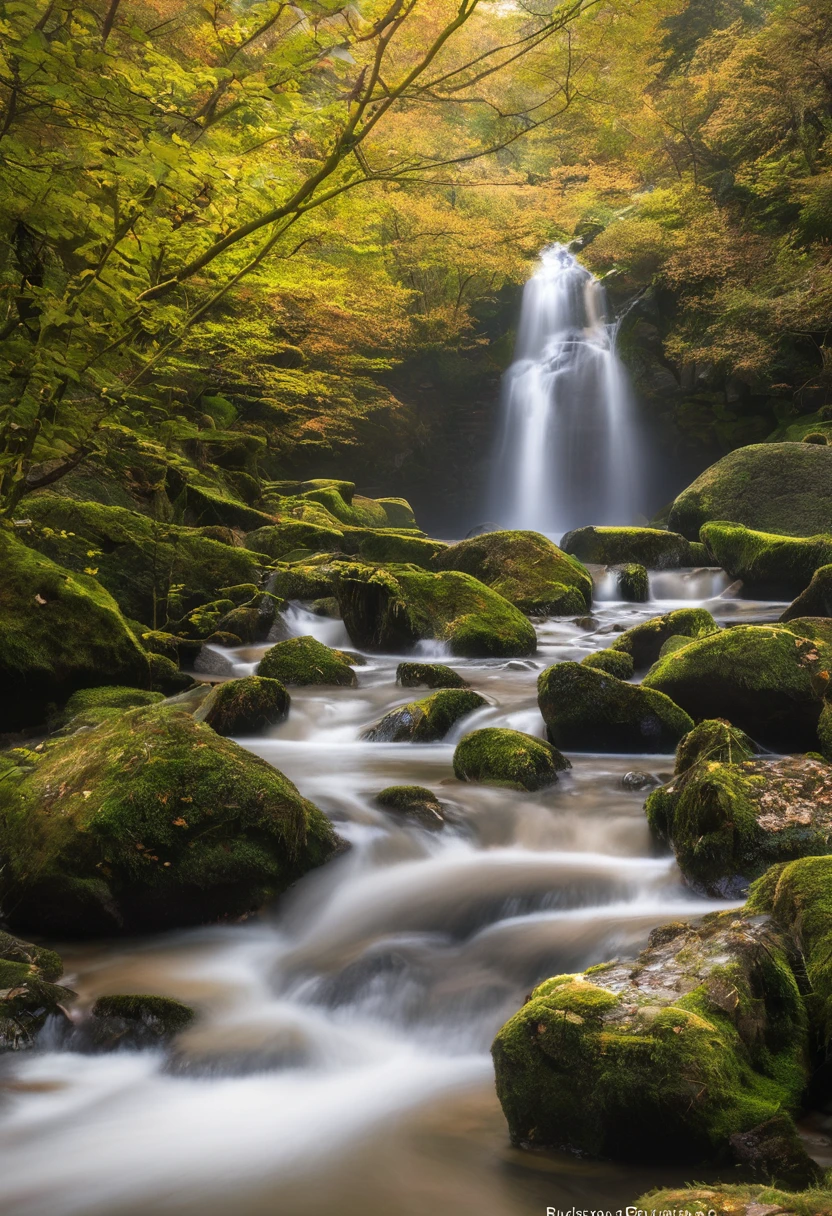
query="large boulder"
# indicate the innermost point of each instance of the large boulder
(615, 662)
(774, 566)
(149, 820)
(244, 707)
(425, 721)
(279, 541)
(650, 547)
(525, 568)
(663, 1058)
(393, 608)
(497, 756)
(59, 632)
(29, 992)
(815, 600)
(644, 642)
(154, 571)
(305, 660)
(88, 705)
(776, 487)
(763, 678)
(588, 710)
(729, 815)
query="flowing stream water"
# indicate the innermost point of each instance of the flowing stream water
(341, 1058)
(569, 451)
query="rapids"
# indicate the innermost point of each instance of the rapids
(340, 1062)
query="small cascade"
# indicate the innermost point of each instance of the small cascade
(568, 451)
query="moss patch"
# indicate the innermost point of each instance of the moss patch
(305, 660)
(650, 547)
(633, 583)
(496, 756)
(28, 991)
(425, 721)
(416, 802)
(769, 565)
(525, 568)
(244, 707)
(428, 675)
(645, 641)
(614, 662)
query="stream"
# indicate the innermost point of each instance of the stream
(341, 1060)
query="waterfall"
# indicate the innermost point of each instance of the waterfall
(568, 452)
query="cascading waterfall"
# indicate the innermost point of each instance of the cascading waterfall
(569, 449)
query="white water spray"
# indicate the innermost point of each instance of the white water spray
(568, 452)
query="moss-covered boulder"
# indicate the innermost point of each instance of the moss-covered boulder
(137, 1021)
(384, 546)
(244, 707)
(632, 583)
(414, 802)
(154, 571)
(776, 487)
(769, 565)
(166, 677)
(29, 992)
(393, 608)
(305, 660)
(150, 820)
(664, 1058)
(398, 511)
(645, 641)
(279, 540)
(730, 815)
(59, 632)
(91, 704)
(525, 568)
(739, 1199)
(614, 662)
(251, 621)
(650, 547)
(497, 756)
(815, 600)
(588, 710)
(425, 721)
(428, 675)
(303, 580)
(763, 678)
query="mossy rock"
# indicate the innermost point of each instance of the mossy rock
(29, 993)
(614, 662)
(276, 540)
(416, 802)
(202, 621)
(59, 632)
(588, 710)
(769, 565)
(675, 642)
(763, 678)
(650, 547)
(305, 660)
(428, 675)
(207, 507)
(382, 547)
(425, 721)
(398, 511)
(393, 608)
(497, 756)
(158, 641)
(244, 707)
(341, 501)
(90, 704)
(739, 1199)
(661, 1059)
(149, 821)
(645, 641)
(303, 581)
(632, 583)
(166, 677)
(138, 1020)
(526, 568)
(252, 621)
(815, 600)
(156, 572)
(713, 741)
(784, 488)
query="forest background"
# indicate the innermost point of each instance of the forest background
(287, 240)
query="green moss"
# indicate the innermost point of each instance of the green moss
(815, 600)
(645, 641)
(302, 581)
(158, 641)
(650, 547)
(760, 677)
(244, 707)
(390, 609)
(89, 703)
(204, 620)
(306, 661)
(59, 632)
(674, 643)
(726, 1199)
(166, 677)
(704, 1036)
(163, 1015)
(428, 675)
(414, 801)
(633, 583)
(28, 991)
(588, 710)
(207, 506)
(425, 721)
(769, 565)
(525, 568)
(398, 511)
(150, 820)
(615, 662)
(784, 488)
(383, 547)
(496, 756)
(713, 741)
(280, 539)
(252, 621)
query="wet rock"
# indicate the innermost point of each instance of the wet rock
(29, 993)
(768, 564)
(638, 781)
(244, 707)
(415, 802)
(589, 623)
(645, 641)
(149, 820)
(663, 1058)
(615, 662)
(762, 678)
(774, 1152)
(428, 675)
(59, 632)
(394, 608)
(589, 710)
(778, 487)
(815, 600)
(425, 721)
(136, 1021)
(305, 660)
(525, 568)
(251, 621)
(632, 583)
(650, 547)
(326, 606)
(229, 641)
(496, 756)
